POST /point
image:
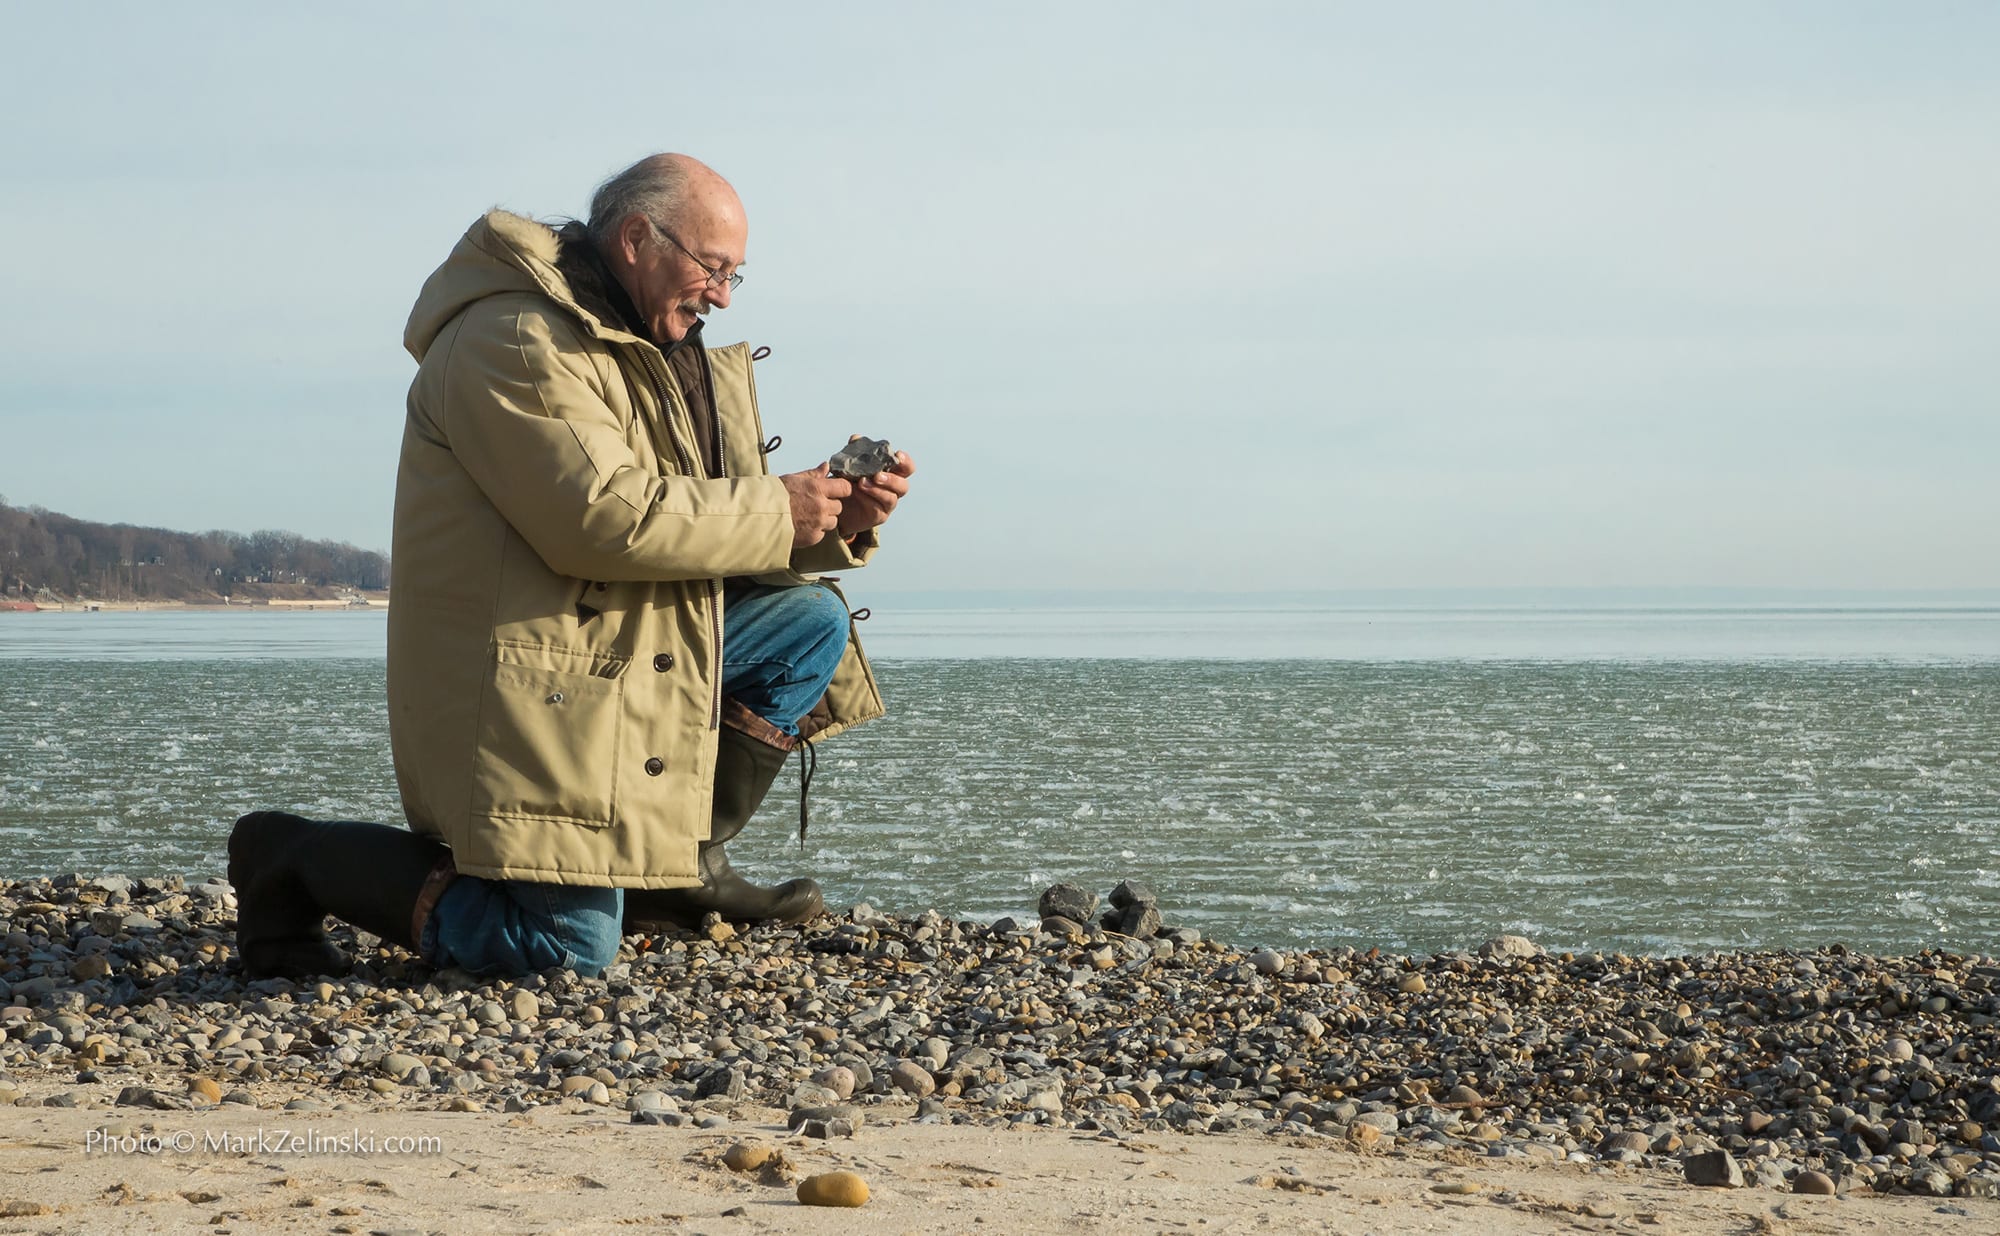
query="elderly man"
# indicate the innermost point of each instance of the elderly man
(606, 631)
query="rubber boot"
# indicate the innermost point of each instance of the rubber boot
(745, 767)
(290, 873)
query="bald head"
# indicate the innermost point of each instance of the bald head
(666, 188)
(672, 231)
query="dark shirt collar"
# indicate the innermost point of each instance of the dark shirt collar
(621, 302)
(690, 340)
(614, 291)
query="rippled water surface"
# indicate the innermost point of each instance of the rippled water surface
(1654, 800)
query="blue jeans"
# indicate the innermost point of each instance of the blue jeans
(780, 647)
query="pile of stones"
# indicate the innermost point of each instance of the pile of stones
(1066, 910)
(1810, 1071)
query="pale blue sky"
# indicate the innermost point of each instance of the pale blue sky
(1309, 296)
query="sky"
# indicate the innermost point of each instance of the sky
(1157, 296)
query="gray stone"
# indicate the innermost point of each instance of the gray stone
(862, 457)
(1068, 901)
(658, 1116)
(1510, 947)
(399, 1065)
(724, 1083)
(1133, 893)
(1717, 1168)
(838, 1111)
(1139, 920)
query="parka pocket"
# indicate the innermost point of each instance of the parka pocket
(549, 727)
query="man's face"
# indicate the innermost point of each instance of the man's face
(672, 287)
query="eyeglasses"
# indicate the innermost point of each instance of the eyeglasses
(715, 276)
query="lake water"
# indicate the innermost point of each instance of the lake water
(1660, 778)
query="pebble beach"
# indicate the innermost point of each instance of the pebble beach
(1776, 1075)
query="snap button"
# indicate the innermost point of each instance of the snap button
(555, 697)
(655, 766)
(664, 662)
(600, 585)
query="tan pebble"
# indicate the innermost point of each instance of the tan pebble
(833, 1189)
(381, 1085)
(1600, 1210)
(23, 1210)
(1817, 1184)
(1363, 1134)
(204, 1088)
(95, 966)
(1458, 1187)
(746, 1157)
(1412, 985)
(463, 1104)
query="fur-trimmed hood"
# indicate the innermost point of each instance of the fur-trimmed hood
(505, 252)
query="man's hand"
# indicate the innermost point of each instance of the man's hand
(875, 497)
(816, 504)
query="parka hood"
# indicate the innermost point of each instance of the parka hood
(502, 253)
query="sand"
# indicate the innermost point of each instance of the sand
(571, 1169)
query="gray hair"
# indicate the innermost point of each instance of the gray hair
(656, 187)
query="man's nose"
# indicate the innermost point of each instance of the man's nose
(717, 294)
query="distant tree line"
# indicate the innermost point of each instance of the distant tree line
(41, 550)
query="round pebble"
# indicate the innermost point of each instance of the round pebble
(833, 1189)
(747, 1156)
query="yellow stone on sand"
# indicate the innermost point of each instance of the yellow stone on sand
(205, 1089)
(746, 1157)
(1412, 985)
(833, 1189)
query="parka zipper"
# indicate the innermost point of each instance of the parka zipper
(688, 468)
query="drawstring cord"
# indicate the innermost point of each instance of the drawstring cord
(777, 440)
(808, 765)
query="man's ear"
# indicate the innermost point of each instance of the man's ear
(632, 234)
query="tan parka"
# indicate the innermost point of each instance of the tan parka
(556, 614)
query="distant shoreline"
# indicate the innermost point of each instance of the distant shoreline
(369, 606)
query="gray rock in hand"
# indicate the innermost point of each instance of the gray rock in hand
(862, 457)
